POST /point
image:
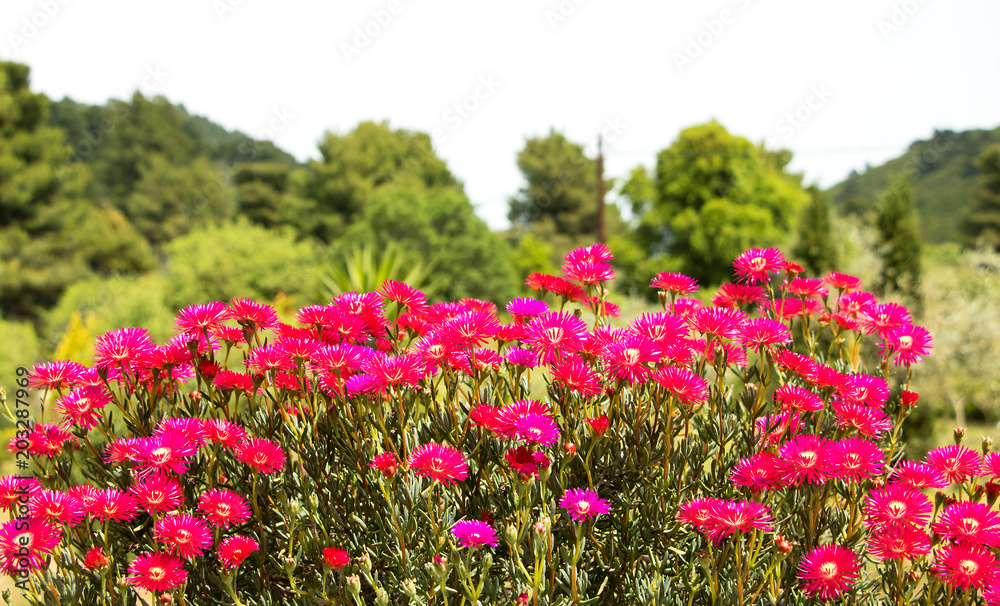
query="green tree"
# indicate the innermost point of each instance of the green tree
(983, 221)
(561, 187)
(815, 247)
(439, 226)
(898, 230)
(261, 188)
(332, 193)
(716, 195)
(50, 233)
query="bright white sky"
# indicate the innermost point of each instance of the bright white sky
(878, 73)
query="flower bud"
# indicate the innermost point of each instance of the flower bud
(96, 560)
(782, 544)
(365, 562)
(195, 395)
(289, 565)
(354, 585)
(959, 434)
(987, 445)
(992, 492)
(540, 528)
(487, 561)
(166, 599)
(522, 600)
(410, 588)
(381, 597)
(510, 535)
(909, 399)
(569, 448)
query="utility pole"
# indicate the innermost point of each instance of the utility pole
(602, 231)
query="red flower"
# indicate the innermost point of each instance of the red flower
(251, 314)
(598, 425)
(224, 507)
(335, 557)
(95, 559)
(386, 462)
(842, 281)
(485, 416)
(807, 287)
(228, 380)
(402, 293)
(157, 572)
(225, 432)
(438, 462)
(828, 570)
(697, 512)
(526, 462)
(234, 550)
(263, 455)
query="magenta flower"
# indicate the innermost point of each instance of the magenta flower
(84, 406)
(196, 318)
(854, 459)
(225, 432)
(224, 508)
(807, 287)
(183, 535)
(537, 429)
(438, 462)
(965, 565)
(791, 397)
(157, 572)
(884, 318)
(919, 475)
(897, 542)
(509, 414)
(164, 453)
(386, 462)
(842, 281)
(754, 265)
(524, 308)
(122, 345)
(474, 534)
(555, 334)
(726, 518)
(629, 358)
(908, 343)
(62, 374)
(760, 332)
(402, 293)
(112, 504)
(55, 506)
(24, 544)
(158, 493)
(957, 463)
(758, 472)
(697, 512)
(471, 329)
(969, 523)
(526, 462)
(577, 375)
(672, 282)
(689, 388)
(897, 504)
(583, 504)
(719, 321)
(662, 328)
(734, 295)
(804, 459)
(251, 314)
(828, 570)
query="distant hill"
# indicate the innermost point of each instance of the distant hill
(944, 177)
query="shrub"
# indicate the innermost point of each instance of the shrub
(387, 450)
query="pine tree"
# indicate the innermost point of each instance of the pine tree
(898, 230)
(983, 222)
(815, 247)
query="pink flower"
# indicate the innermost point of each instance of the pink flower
(854, 459)
(697, 512)
(385, 462)
(122, 345)
(269, 357)
(758, 472)
(251, 314)
(112, 504)
(965, 565)
(52, 505)
(474, 534)
(719, 321)
(726, 518)
(897, 504)
(402, 293)
(869, 421)
(196, 318)
(804, 459)
(598, 425)
(734, 295)
(224, 507)
(95, 559)
(577, 375)
(841, 281)
(754, 265)
(760, 332)
(537, 429)
(14, 488)
(807, 287)
(689, 388)
(909, 344)
(919, 475)
(83, 406)
(157, 572)
(158, 493)
(555, 334)
(225, 432)
(583, 504)
(438, 462)
(661, 328)
(471, 329)
(884, 318)
(47, 440)
(234, 550)
(485, 416)
(828, 570)
(898, 541)
(969, 522)
(509, 414)
(629, 358)
(335, 557)
(872, 391)
(957, 463)
(25, 543)
(523, 309)
(183, 535)
(164, 453)
(62, 374)
(228, 380)
(676, 283)
(263, 455)
(394, 371)
(791, 397)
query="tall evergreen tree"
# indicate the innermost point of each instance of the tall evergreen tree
(815, 247)
(983, 222)
(898, 229)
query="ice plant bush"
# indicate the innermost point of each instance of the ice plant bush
(385, 449)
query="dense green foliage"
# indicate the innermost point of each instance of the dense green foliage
(716, 194)
(815, 248)
(983, 221)
(898, 231)
(945, 178)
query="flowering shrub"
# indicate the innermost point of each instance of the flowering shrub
(389, 450)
